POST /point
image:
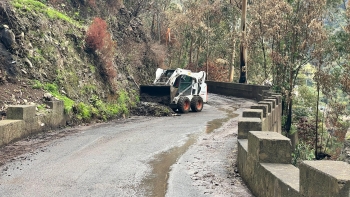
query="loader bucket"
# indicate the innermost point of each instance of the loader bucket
(155, 93)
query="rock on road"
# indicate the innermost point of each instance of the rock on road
(189, 155)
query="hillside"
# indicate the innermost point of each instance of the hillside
(43, 50)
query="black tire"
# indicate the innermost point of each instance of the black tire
(197, 104)
(183, 105)
(174, 109)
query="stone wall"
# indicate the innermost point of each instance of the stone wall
(264, 159)
(237, 89)
(22, 121)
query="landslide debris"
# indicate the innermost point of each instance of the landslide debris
(152, 109)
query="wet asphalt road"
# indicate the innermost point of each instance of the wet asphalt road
(139, 156)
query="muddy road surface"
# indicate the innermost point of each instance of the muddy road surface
(189, 155)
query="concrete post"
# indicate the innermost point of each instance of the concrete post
(265, 119)
(274, 113)
(269, 115)
(279, 111)
(248, 124)
(325, 178)
(253, 113)
(21, 112)
(269, 147)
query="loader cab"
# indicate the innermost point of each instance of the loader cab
(166, 75)
(184, 84)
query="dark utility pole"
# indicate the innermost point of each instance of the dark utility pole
(243, 48)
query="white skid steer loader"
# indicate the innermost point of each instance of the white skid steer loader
(181, 89)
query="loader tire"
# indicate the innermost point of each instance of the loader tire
(183, 105)
(197, 104)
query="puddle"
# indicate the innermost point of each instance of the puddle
(156, 184)
(217, 123)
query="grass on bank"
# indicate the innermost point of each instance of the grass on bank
(39, 7)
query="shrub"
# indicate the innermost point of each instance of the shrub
(97, 34)
(99, 39)
(123, 101)
(302, 152)
(84, 111)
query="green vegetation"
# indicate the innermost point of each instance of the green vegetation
(136, 96)
(37, 6)
(41, 107)
(302, 152)
(37, 84)
(53, 89)
(83, 111)
(92, 68)
(88, 89)
(103, 110)
(38, 56)
(123, 101)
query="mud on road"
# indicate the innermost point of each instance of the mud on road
(211, 161)
(203, 165)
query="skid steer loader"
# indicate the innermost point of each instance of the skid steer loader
(180, 89)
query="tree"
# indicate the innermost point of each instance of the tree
(291, 33)
(204, 30)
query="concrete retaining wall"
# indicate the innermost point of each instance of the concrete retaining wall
(237, 89)
(22, 121)
(264, 159)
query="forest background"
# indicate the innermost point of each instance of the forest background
(300, 48)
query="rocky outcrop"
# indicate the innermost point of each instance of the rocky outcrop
(7, 37)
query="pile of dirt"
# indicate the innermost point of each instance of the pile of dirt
(152, 109)
(155, 99)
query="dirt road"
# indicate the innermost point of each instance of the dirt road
(189, 155)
